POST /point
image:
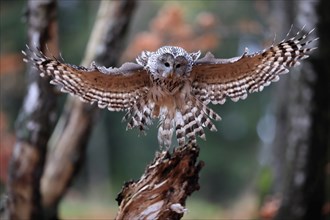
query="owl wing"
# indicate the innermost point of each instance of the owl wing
(115, 88)
(214, 80)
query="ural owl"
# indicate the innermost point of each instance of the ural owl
(174, 85)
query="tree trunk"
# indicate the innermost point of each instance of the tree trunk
(77, 120)
(35, 122)
(302, 136)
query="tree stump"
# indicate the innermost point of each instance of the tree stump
(162, 190)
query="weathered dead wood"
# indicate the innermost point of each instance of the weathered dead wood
(78, 118)
(35, 122)
(164, 187)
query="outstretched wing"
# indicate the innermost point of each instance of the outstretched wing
(214, 79)
(115, 88)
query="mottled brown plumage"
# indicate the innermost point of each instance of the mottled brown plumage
(173, 85)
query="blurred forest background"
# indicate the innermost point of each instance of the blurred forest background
(239, 178)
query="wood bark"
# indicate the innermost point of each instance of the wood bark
(35, 122)
(77, 120)
(302, 137)
(162, 190)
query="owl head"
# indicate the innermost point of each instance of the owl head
(168, 61)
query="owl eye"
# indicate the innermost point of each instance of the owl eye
(167, 64)
(178, 66)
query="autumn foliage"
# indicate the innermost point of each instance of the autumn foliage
(170, 28)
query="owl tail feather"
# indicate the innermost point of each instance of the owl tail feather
(191, 121)
(187, 123)
(165, 130)
(139, 116)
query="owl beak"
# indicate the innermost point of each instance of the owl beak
(170, 75)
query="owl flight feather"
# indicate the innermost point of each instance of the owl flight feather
(174, 85)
